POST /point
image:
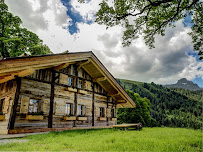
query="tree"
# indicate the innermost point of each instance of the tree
(151, 17)
(139, 114)
(15, 40)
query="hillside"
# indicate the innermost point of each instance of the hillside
(184, 84)
(170, 107)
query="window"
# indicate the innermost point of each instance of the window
(112, 113)
(102, 112)
(70, 81)
(34, 106)
(69, 109)
(80, 84)
(1, 105)
(81, 110)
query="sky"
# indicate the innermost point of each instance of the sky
(68, 25)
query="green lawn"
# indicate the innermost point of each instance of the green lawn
(149, 139)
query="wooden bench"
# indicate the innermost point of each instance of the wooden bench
(127, 126)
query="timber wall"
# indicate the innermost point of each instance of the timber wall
(38, 86)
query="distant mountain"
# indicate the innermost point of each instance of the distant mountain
(184, 84)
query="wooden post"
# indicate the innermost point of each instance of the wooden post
(115, 113)
(15, 104)
(107, 111)
(50, 118)
(76, 107)
(75, 99)
(93, 85)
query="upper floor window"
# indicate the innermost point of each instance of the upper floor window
(34, 106)
(102, 112)
(81, 110)
(69, 109)
(70, 81)
(80, 84)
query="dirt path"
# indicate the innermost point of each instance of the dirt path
(6, 141)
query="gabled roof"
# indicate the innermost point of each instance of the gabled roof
(23, 66)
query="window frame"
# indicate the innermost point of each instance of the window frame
(80, 85)
(81, 110)
(71, 112)
(101, 111)
(39, 105)
(70, 83)
(112, 113)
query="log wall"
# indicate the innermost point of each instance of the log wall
(38, 86)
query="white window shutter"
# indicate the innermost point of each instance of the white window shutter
(60, 108)
(24, 105)
(46, 106)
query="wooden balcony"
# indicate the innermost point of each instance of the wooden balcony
(82, 91)
(82, 118)
(69, 118)
(102, 119)
(2, 117)
(71, 89)
(34, 117)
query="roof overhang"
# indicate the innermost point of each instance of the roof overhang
(23, 66)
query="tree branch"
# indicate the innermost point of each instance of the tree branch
(177, 12)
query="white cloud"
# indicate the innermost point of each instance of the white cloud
(86, 10)
(167, 63)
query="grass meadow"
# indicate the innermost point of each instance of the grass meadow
(149, 139)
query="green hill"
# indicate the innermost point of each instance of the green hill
(170, 107)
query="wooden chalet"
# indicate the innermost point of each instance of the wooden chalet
(58, 91)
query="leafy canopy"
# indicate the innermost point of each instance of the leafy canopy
(151, 17)
(15, 40)
(139, 114)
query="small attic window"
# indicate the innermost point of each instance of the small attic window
(80, 84)
(70, 81)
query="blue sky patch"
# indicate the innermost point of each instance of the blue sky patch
(188, 21)
(194, 54)
(75, 16)
(199, 81)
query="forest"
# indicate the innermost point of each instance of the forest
(167, 107)
(15, 40)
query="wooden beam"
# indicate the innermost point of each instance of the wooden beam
(62, 66)
(75, 99)
(107, 106)
(99, 79)
(121, 101)
(5, 79)
(82, 64)
(93, 90)
(19, 74)
(113, 94)
(50, 118)
(15, 104)
(26, 72)
(42, 64)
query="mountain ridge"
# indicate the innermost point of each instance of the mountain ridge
(184, 84)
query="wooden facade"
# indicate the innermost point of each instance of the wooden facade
(55, 91)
